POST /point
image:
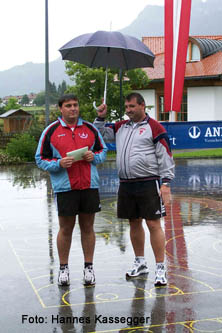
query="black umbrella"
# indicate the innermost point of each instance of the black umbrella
(108, 49)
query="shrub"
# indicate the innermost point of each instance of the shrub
(22, 146)
(35, 129)
(5, 159)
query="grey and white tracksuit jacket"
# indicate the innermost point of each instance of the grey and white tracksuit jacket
(143, 149)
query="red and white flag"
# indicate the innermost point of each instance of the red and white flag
(177, 23)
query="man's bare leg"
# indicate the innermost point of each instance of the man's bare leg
(86, 222)
(137, 236)
(88, 240)
(64, 237)
(157, 239)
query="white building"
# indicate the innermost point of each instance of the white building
(202, 95)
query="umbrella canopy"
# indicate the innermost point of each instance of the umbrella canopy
(108, 49)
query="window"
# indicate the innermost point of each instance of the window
(182, 115)
(193, 52)
(164, 116)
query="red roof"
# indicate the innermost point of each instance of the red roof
(209, 66)
(156, 44)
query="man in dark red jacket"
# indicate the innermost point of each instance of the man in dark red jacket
(75, 182)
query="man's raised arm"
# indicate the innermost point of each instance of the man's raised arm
(107, 132)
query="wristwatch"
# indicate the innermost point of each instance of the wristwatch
(166, 184)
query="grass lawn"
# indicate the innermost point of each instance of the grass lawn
(203, 153)
(177, 154)
(33, 108)
(38, 108)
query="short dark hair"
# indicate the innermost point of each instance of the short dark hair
(139, 98)
(67, 97)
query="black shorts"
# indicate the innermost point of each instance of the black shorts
(140, 200)
(73, 202)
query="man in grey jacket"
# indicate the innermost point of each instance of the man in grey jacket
(145, 167)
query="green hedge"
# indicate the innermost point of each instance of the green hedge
(22, 146)
(5, 159)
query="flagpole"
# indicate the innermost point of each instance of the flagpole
(176, 27)
(172, 116)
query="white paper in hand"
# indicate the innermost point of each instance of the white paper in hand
(77, 154)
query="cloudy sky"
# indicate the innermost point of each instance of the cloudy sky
(22, 25)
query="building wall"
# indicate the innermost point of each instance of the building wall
(204, 103)
(218, 103)
(150, 100)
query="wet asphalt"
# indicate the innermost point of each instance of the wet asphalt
(31, 300)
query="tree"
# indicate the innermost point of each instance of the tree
(25, 100)
(12, 104)
(2, 105)
(62, 88)
(53, 94)
(40, 99)
(89, 87)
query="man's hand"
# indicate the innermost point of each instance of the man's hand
(88, 156)
(102, 111)
(166, 194)
(66, 162)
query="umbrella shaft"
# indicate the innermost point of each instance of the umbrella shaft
(105, 89)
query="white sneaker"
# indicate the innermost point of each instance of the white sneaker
(89, 276)
(137, 269)
(63, 277)
(160, 278)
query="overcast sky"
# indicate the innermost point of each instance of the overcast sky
(22, 25)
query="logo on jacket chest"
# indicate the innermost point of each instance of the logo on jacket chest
(83, 135)
(141, 130)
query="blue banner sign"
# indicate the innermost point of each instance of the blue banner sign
(194, 135)
(191, 134)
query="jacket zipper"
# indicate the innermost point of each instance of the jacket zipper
(127, 145)
(125, 152)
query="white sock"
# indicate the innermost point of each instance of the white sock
(160, 265)
(140, 258)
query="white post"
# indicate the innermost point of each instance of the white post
(172, 116)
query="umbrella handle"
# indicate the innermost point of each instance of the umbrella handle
(94, 105)
(105, 91)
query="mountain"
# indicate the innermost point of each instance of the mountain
(148, 23)
(30, 77)
(206, 17)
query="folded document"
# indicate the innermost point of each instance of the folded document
(78, 153)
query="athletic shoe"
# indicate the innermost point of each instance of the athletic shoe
(63, 278)
(89, 276)
(137, 269)
(160, 278)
